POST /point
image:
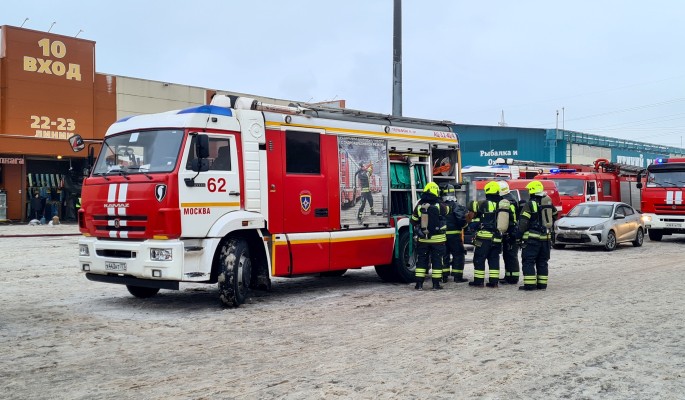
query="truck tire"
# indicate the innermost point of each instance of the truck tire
(234, 276)
(655, 235)
(387, 273)
(639, 238)
(142, 292)
(405, 264)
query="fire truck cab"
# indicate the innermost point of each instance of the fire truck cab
(238, 191)
(662, 197)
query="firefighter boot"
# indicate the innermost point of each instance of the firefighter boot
(419, 284)
(459, 278)
(528, 287)
(445, 277)
(492, 284)
(542, 286)
(476, 283)
(436, 284)
(371, 211)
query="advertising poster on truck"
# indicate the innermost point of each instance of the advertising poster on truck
(363, 181)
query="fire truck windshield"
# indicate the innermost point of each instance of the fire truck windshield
(139, 152)
(667, 178)
(570, 187)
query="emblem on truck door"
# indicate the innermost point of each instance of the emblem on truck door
(160, 192)
(306, 201)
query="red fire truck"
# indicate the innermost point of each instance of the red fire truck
(238, 191)
(662, 197)
(604, 181)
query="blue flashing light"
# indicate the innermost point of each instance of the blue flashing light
(207, 109)
(126, 118)
(560, 170)
(659, 161)
(554, 171)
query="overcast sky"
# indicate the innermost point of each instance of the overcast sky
(610, 67)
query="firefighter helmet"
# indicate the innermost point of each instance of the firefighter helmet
(448, 193)
(492, 188)
(503, 188)
(432, 187)
(535, 187)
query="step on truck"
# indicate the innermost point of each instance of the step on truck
(238, 192)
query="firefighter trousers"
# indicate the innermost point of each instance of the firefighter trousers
(486, 250)
(454, 255)
(535, 256)
(510, 256)
(429, 252)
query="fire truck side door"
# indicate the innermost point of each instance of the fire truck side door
(305, 200)
(591, 191)
(215, 192)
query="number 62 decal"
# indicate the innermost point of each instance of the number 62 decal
(216, 185)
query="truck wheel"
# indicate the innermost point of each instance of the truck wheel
(387, 272)
(142, 292)
(234, 276)
(405, 265)
(655, 235)
(610, 244)
(639, 238)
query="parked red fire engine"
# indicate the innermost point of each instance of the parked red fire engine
(662, 197)
(237, 192)
(604, 181)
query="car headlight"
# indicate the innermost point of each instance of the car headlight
(597, 227)
(83, 250)
(161, 255)
(647, 218)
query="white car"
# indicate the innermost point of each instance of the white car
(602, 223)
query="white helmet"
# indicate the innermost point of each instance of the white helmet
(503, 188)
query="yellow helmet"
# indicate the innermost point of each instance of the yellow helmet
(432, 187)
(535, 187)
(492, 188)
(503, 188)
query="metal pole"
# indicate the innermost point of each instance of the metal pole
(397, 60)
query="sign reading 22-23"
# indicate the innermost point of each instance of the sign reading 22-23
(52, 64)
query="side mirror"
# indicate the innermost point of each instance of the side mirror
(638, 185)
(202, 146)
(77, 143)
(199, 164)
(619, 216)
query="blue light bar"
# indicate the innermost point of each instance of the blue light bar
(207, 109)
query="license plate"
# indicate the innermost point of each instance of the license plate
(115, 266)
(672, 225)
(574, 235)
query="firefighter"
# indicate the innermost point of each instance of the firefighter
(364, 175)
(510, 246)
(488, 239)
(535, 224)
(456, 222)
(429, 223)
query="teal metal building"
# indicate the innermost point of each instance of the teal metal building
(481, 145)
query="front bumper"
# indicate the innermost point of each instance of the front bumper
(191, 260)
(675, 223)
(585, 237)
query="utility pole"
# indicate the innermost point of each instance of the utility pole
(397, 60)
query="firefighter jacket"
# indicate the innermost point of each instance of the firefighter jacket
(456, 217)
(530, 221)
(429, 219)
(486, 212)
(364, 176)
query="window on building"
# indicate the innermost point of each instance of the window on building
(302, 152)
